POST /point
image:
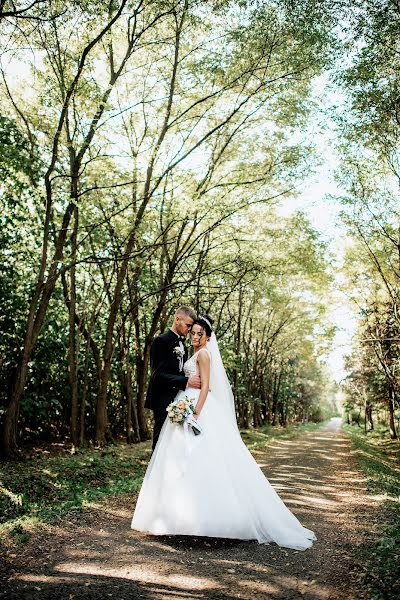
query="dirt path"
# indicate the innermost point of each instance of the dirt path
(97, 556)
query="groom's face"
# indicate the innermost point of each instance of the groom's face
(183, 324)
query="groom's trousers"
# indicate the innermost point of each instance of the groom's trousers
(159, 418)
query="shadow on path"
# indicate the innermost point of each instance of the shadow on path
(97, 556)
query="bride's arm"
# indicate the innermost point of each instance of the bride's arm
(203, 361)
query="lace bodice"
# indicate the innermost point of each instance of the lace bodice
(190, 367)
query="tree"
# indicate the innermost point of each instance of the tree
(160, 128)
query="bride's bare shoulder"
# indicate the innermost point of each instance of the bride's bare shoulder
(204, 354)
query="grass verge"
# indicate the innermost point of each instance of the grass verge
(42, 489)
(379, 458)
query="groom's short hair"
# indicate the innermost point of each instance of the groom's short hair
(186, 311)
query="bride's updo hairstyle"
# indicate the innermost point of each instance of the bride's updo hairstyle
(206, 322)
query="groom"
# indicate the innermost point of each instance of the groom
(167, 356)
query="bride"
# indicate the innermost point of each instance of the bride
(209, 484)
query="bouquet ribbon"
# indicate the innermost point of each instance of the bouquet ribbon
(190, 423)
(194, 424)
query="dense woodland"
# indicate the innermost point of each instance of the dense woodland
(370, 176)
(146, 148)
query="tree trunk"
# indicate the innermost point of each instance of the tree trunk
(45, 285)
(257, 418)
(235, 371)
(130, 433)
(132, 426)
(368, 421)
(101, 406)
(9, 443)
(275, 397)
(84, 396)
(72, 353)
(392, 425)
(142, 363)
(37, 312)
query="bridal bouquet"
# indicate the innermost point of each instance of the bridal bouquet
(181, 411)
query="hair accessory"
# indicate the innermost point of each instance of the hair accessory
(207, 321)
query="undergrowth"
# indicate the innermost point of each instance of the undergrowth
(379, 458)
(42, 489)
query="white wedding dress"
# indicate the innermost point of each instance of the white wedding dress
(210, 485)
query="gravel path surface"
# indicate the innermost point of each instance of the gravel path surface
(96, 556)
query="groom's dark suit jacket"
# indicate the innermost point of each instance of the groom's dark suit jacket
(166, 378)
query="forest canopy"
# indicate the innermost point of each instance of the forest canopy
(146, 149)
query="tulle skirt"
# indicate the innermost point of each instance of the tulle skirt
(210, 485)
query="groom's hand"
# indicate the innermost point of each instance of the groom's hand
(194, 382)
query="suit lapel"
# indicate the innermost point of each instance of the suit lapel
(175, 341)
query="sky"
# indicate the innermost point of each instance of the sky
(317, 201)
(324, 215)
